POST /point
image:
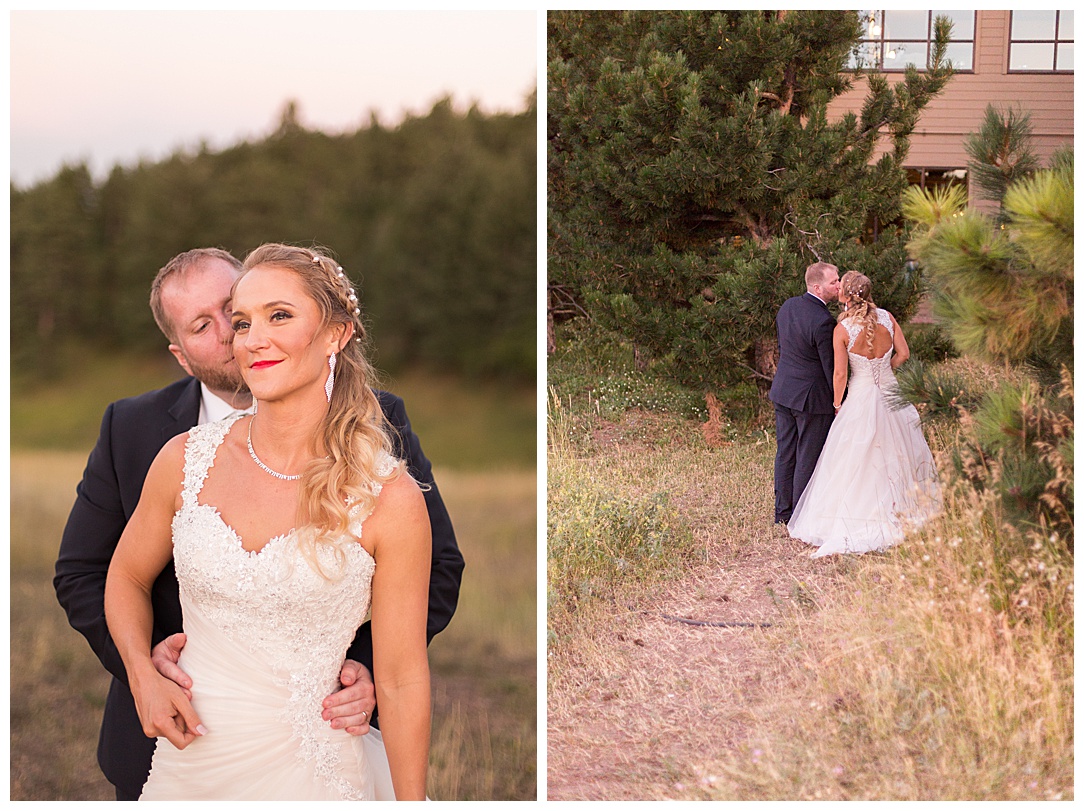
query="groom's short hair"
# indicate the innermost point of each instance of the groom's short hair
(179, 265)
(818, 272)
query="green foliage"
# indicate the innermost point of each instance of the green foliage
(1000, 152)
(930, 206)
(929, 343)
(693, 175)
(599, 367)
(1019, 446)
(939, 389)
(599, 541)
(435, 219)
(1003, 290)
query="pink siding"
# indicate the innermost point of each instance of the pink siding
(938, 140)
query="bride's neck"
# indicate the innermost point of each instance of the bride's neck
(293, 433)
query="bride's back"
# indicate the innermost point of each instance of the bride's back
(859, 343)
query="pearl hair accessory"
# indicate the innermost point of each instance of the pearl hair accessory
(350, 290)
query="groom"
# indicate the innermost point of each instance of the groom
(190, 299)
(802, 388)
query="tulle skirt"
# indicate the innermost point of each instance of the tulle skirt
(874, 481)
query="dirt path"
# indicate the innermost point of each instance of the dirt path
(648, 699)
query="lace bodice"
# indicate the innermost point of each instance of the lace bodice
(272, 602)
(876, 370)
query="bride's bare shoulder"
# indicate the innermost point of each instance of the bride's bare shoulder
(400, 505)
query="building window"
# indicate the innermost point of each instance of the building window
(1041, 41)
(892, 40)
(931, 179)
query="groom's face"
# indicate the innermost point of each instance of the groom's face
(830, 286)
(198, 307)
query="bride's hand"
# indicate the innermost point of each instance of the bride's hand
(165, 711)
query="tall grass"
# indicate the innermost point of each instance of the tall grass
(604, 535)
(477, 425)
(940, 671)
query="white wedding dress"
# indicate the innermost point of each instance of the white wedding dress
(267, 636)
(875, 478)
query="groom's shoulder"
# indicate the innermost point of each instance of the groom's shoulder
(155, 400)
(790, 303)
(392, 405)
(799, 302)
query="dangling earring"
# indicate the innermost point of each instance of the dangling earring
(254, 406)
(330, 385)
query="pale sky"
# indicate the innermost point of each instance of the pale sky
(116, 86)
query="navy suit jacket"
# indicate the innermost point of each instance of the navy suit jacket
(133, 431)
(803, 378)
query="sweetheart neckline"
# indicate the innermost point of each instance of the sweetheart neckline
(256, 553)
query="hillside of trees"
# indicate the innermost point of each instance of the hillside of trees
(434, 219)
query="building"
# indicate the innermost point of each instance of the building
(1021, 59)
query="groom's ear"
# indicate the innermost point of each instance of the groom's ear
(181, 359)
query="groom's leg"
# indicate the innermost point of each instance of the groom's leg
(786, 446)
(812, 431)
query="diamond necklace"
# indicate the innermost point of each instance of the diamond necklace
(256, 458)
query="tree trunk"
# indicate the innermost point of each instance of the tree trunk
(551, 341)
(765, 361)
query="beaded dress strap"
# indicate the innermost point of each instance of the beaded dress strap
(199, 455)
(884, 318)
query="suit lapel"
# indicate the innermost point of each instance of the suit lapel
(183, 414)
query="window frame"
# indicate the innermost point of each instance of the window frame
(1056, 41)
(931, 15)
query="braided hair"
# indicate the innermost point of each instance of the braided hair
(860, 308)
(355, 434)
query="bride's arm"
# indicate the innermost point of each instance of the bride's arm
(144, 550)
(900, 351)
(839, 372)
(400, 534)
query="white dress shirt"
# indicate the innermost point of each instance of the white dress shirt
(212, 407)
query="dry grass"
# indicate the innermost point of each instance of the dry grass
(912, 684)
(923, 673)
(483, 664)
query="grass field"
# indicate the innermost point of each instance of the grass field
(941, 669)
(483, 664)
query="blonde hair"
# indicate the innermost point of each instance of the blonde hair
(355, 435)
(860, 307)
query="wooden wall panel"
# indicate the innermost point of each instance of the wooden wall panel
(947, 121)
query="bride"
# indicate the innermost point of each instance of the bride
(875, 478)
(287, 528)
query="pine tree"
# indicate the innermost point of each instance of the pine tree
(1000, 152)
(1004, 293)
(693, 174)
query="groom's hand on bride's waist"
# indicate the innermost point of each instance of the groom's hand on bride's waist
(351, 707)
(165, 656)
